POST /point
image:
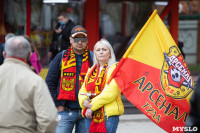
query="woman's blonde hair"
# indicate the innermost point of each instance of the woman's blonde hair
(112, 58)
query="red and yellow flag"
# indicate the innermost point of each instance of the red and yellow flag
(154, 77)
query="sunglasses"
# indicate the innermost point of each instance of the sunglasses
(82, 39)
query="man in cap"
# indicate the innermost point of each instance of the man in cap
(65, 77)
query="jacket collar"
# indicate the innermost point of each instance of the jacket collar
(16, 60)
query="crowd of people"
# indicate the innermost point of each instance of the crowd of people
(75, 94)
(62, 107)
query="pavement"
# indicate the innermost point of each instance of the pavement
(137, 123)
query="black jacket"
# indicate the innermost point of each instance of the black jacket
(1, 54)
(54, 75)
(63, 42)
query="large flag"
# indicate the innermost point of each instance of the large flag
(154, 77)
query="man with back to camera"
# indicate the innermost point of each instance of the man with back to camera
(26, 104)
(64, 79)
(61, 34)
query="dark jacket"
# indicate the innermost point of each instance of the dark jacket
(61, 41)
(53, 81)
(1, 53)
(194, 115)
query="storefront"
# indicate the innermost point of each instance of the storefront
(119, 21)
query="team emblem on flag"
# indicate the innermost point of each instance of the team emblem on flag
(175, 76)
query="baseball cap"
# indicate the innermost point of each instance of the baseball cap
(78, 30)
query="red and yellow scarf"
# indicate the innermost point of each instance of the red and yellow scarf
(95, 83)
(68, 74)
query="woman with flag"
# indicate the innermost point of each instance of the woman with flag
(101, 103)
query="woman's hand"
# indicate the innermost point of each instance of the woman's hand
(60, 108)
(88, 113)
(86, 104)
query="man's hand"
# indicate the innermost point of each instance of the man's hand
(88, 113)
(58, 31)
(32, 68)
(86, 104)
(60, 108)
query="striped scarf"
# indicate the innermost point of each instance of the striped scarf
(68, 74)
(95, 83)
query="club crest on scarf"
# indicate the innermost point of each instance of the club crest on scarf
(98, 116)
(68, 85)
(175, 76)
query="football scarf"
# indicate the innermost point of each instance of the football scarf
(95, 83)
(68, 74)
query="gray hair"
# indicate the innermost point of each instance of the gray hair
(112, 59)
(9, 35)
(17, 46)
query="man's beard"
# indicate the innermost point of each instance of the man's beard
(79, 50)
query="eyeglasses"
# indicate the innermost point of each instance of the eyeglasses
(82, 39)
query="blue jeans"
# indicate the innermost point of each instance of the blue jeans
(111, 124)
(67, 121)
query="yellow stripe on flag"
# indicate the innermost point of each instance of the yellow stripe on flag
(149, 43)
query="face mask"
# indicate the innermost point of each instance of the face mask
(62, 23)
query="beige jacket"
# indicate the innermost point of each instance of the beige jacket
(25, 102)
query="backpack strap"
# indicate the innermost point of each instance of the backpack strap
(61, 58)
(91, 55)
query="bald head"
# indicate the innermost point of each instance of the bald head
(18, 47)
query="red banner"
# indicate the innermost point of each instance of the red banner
(154, 77)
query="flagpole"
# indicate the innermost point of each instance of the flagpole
(131, 46)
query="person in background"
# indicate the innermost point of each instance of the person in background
(193, 120)
(9, 35)
(180, 46)
(34, 61)
(65, 77)
(101, 103)
(26, 104)
(61, 34)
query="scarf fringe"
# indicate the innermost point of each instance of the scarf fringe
(97, 130)
(66, 97)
